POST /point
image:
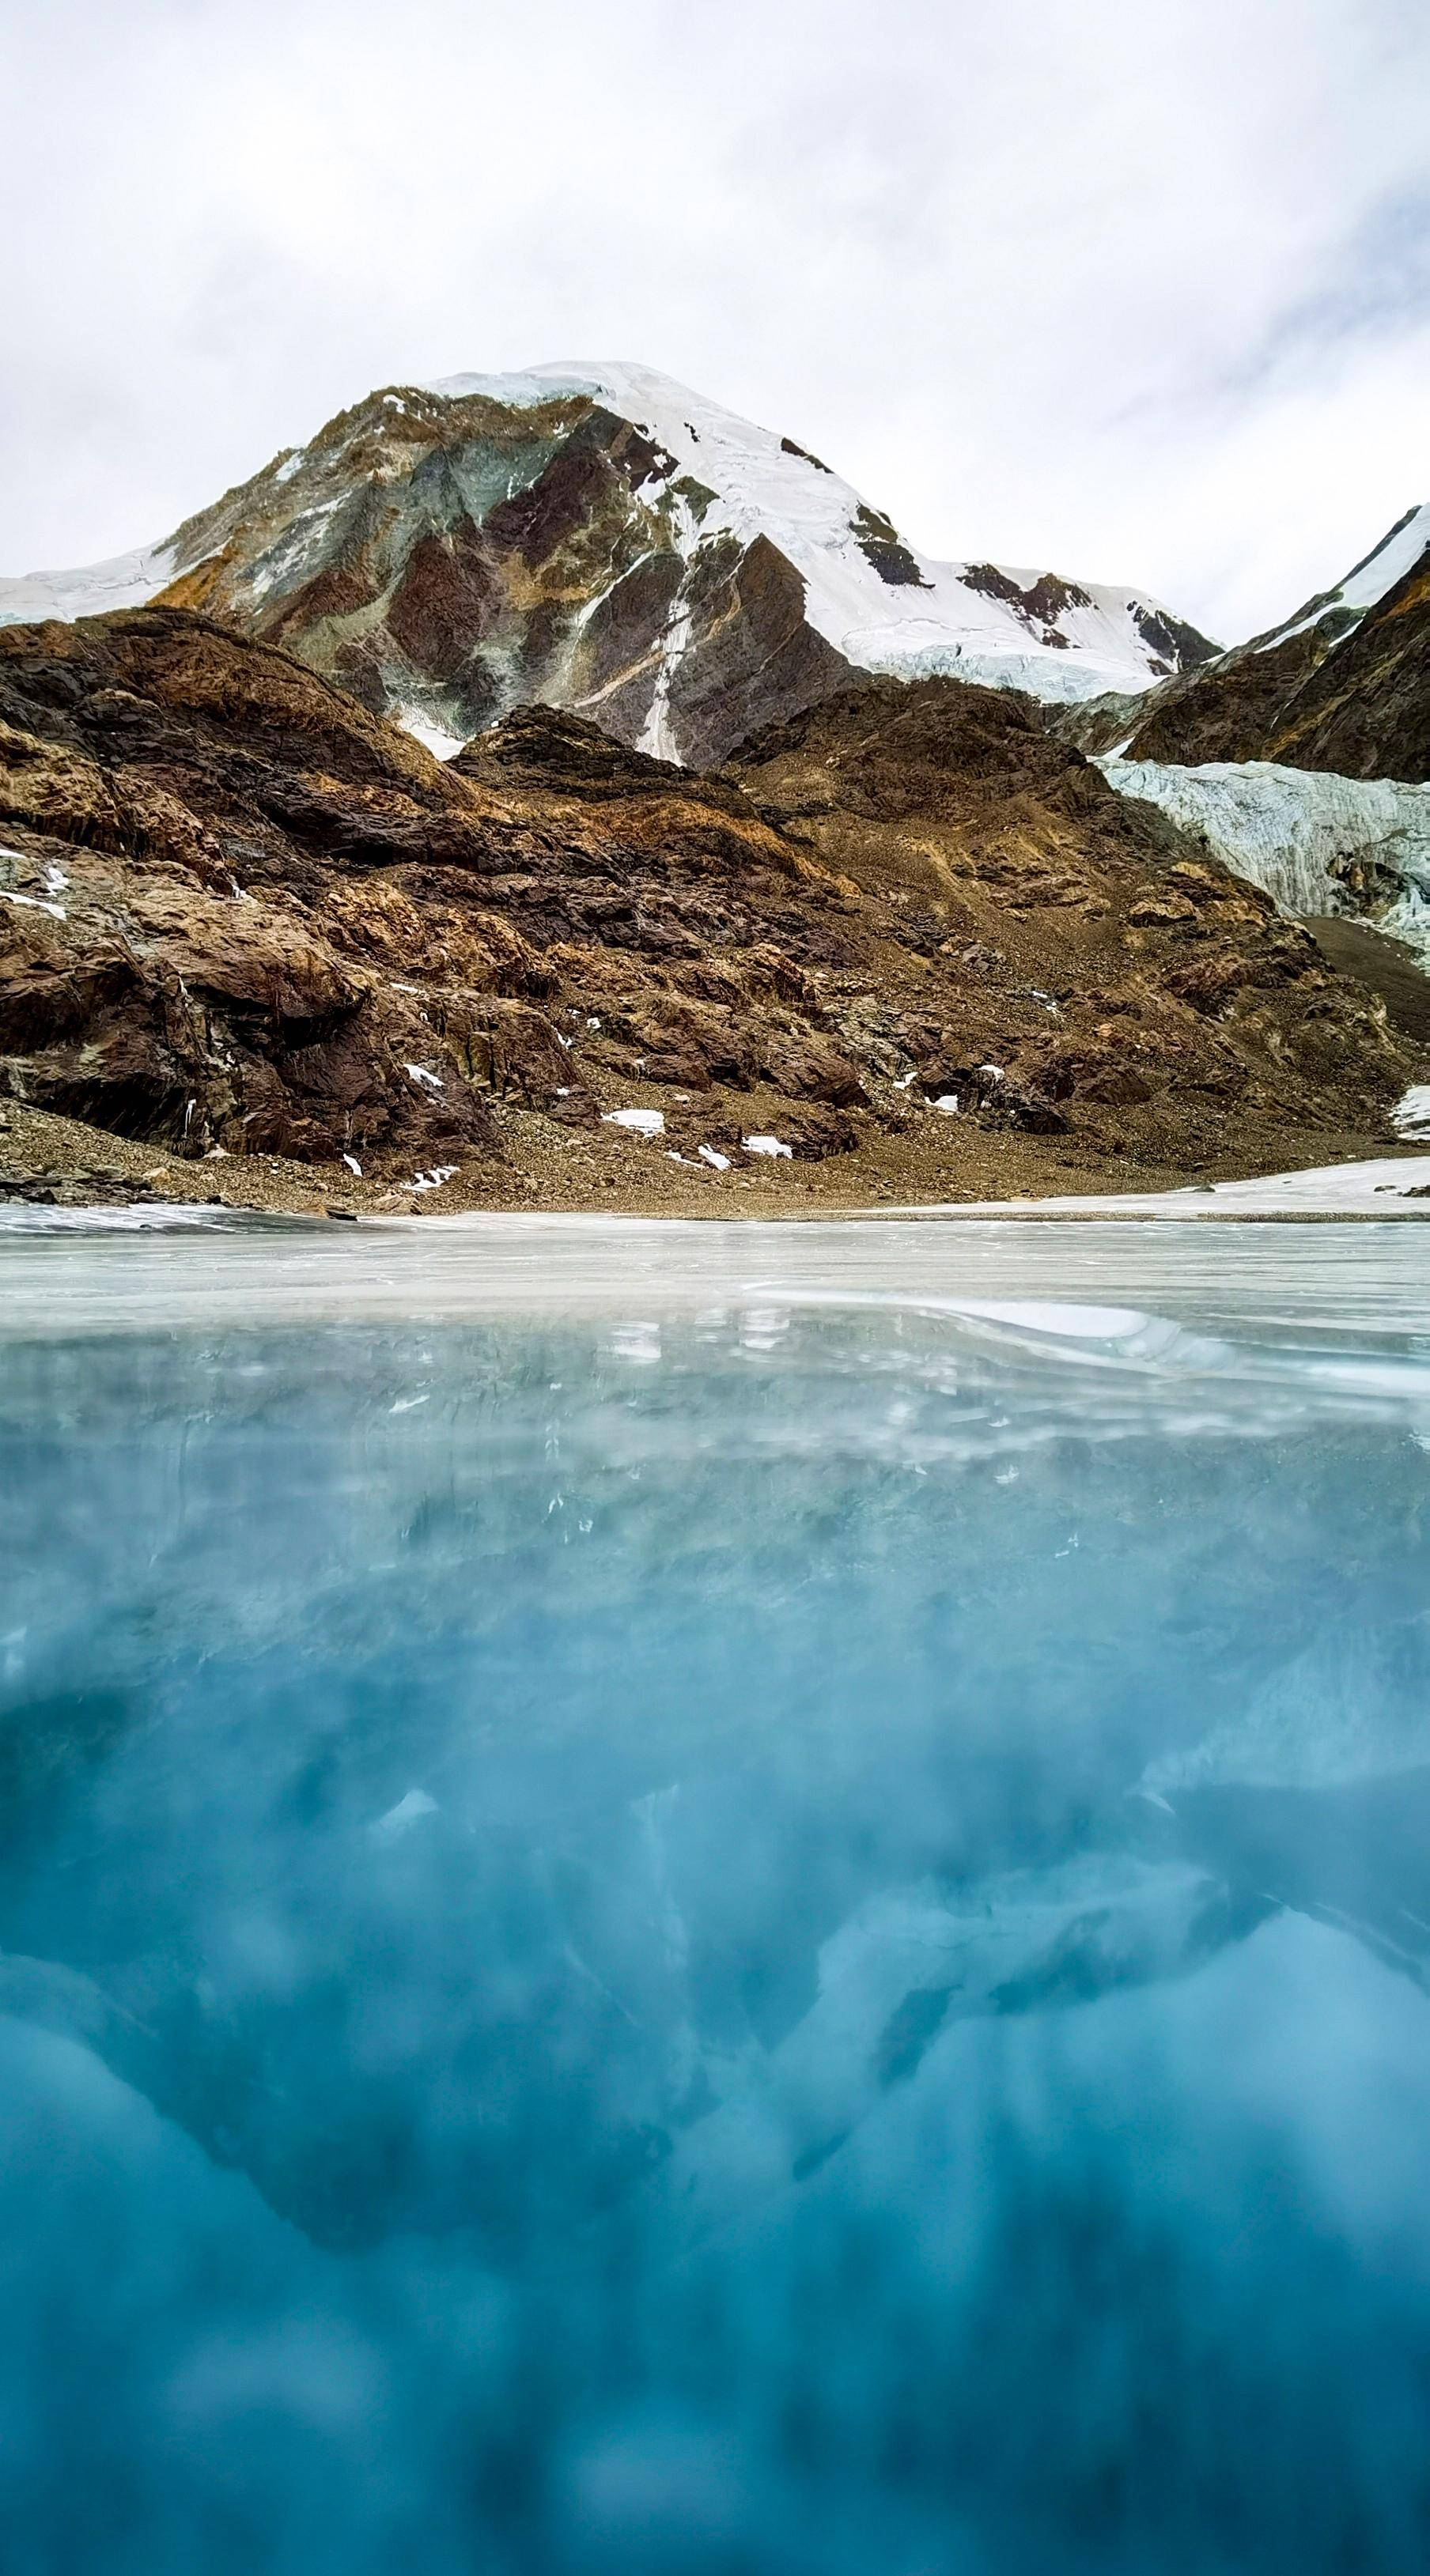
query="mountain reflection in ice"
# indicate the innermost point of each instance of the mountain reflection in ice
(767, 1942)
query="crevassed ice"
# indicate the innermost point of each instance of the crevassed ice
(1297, 833)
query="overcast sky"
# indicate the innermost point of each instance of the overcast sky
(1137, 289)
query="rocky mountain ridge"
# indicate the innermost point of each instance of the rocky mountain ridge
(906, 944)
(1343, 685)
(601, 538)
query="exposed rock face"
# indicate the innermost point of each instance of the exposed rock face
(181, 972)
(1133, 972)
(239, 912)
(1344, 686)
(603, 540)
(1365, 711)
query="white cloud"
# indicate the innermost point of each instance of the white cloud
(1134, 289)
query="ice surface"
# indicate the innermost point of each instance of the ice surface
(705, 1897)
(1173, 1254)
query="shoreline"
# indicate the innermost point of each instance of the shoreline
(48, 1161)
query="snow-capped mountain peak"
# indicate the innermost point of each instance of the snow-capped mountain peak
(875, 598)
(604, 538)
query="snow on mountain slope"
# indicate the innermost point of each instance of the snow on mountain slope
(881, 604)
(126, 581)
(1342, 686)
(1314, 842)
(604, 539)
(1365, 585)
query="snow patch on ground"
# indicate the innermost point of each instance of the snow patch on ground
(641, 1122)
(1332, 1189)
(32, 903)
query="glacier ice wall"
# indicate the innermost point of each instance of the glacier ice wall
(1315, 842)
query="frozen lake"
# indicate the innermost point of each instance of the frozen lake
(714, 1898)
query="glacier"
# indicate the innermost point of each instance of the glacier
(1313, 841)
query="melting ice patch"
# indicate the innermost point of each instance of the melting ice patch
(641, 1122)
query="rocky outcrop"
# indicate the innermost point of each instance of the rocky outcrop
(241, 917)
(1365, 711)
(1135, 975)
(607, 541)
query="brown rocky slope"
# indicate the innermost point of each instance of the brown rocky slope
(264, 940)
(1350, 697)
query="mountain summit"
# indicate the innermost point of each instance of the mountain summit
(602, 539)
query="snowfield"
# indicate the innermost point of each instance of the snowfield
(1368, 581)
(92, 590)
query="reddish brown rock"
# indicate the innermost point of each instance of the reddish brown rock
(238, 912)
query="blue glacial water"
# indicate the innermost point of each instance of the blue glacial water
(713, 1899)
